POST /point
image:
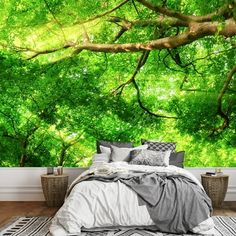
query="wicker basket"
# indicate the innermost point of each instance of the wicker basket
(54, 188)
(216, 188)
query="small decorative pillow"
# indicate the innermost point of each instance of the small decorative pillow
(106, 150)
(150, 157)
(177, 159)
(123, 154)
(99, 160)
(114, 143)
(101, 157)
(160, 146)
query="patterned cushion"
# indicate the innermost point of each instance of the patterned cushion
(177, 159)
(160, 146)
(109, 143)
(149, 157)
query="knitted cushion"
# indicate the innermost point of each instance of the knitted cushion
(160, 146)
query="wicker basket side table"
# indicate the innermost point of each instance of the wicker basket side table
(216, 187)
(54, 189)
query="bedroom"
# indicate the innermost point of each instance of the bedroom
(73, 73)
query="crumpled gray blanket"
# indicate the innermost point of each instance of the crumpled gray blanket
(176, 204)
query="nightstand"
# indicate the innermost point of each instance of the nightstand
(216, 187)
(54, 188)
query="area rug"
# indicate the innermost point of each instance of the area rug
(38, 226)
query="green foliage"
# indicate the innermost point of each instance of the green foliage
(54, 108)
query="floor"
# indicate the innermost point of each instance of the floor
(10, 209)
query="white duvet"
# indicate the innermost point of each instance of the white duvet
(93, 204)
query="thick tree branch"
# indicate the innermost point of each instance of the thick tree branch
(196, 31)
(223, 11)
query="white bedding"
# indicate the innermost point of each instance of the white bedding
(103, 204)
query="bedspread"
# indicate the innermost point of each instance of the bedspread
(123, 195)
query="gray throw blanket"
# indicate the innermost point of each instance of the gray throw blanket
(175, 203)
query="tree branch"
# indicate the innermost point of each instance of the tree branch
(12, 122)
(220, 111)
(223, 11)
(48, 51)
(135, 7)
(102, 14)
(54, 17)
(196, 31)
(145, 108)
(167, 21)
(141, 62)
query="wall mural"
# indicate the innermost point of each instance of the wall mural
(73, 72)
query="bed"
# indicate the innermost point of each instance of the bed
(134, 194)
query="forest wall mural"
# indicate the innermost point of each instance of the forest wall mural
(73, 72)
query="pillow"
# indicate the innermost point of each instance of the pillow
(101, 157)
(150, 157)
(177, 159)
(160, 146)
(109, 143)
(106, 150)
(123, 154)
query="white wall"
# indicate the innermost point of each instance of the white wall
(24, 184)
(231, 193)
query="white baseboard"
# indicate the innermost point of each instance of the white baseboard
(23, 184)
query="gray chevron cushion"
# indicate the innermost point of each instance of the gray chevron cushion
(160, 146)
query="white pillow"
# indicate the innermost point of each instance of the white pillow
(106, 150)
(144, 146)
(167, 157)
(123, 154)
(101, 157)
(99, 160)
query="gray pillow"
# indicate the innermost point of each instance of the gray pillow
(160, 146)
(149, 157)
(114, 143)
(177, 159)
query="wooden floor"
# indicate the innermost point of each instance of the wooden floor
(8, 210)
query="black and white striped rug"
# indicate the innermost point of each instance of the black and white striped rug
(38, 226)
